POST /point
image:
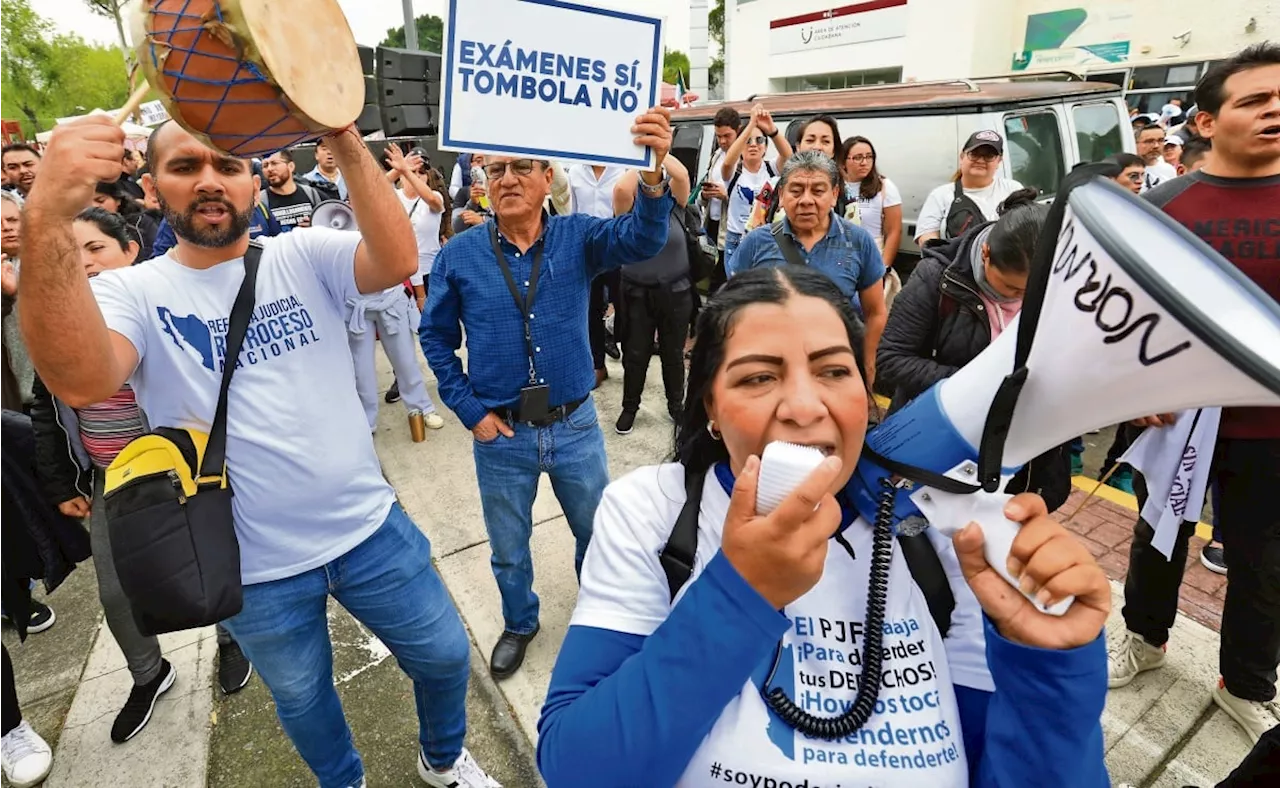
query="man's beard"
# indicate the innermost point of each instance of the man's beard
(184, 224)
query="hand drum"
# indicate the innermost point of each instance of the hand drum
(251, 77)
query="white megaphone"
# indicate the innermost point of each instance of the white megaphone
(1130, 315)
(334, 214)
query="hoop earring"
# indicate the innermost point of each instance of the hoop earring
(713, 432)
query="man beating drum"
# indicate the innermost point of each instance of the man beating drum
(312, 513)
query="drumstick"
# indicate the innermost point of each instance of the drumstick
(133, 103)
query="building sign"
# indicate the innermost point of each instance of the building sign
(1075, 37)
(850, 24)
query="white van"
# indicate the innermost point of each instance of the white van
(918, 129)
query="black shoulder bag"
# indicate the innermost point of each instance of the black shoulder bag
(168, 504)
(963, 214)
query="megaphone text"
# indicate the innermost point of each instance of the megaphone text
(1111, 305)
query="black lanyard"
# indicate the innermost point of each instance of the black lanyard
(525, 304)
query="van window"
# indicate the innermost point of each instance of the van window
(1035, 150)
(686, 145)
(1097, 131)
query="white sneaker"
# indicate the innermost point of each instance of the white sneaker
(465, 773)
(1134, 656)
(26, 758)
(433, 421)
(1255, 716)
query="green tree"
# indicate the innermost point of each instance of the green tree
(674, 63)
(114, 10)
(430, 34)
(715, 72)
(715, 24)
(44, 76)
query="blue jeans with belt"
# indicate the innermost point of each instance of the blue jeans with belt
(571, 452)
(388, 584)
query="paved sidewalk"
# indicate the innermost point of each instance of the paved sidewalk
(1162, 730)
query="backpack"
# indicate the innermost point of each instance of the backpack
(677, 557)
(700, 264)
(963, 215)
(326, 191)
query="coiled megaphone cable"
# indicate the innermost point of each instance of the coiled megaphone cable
(864, 703)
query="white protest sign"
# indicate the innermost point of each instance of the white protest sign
(549, 80)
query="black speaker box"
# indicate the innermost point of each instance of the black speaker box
(408, 121)
(370, 119)
(402, 92)
(367, 58)
(370, 89)
(408, 64)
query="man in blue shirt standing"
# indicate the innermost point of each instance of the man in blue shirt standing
(812, 234)
(519, 285)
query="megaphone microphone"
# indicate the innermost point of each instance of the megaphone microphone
(334, 214)
(1127, 314)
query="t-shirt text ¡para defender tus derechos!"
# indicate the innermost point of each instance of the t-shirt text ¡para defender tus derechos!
(308, 486)
(914, 736)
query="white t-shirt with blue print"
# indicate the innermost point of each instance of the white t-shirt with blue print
(308, 485)
(914, 737)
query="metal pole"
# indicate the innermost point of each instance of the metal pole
(410, 25)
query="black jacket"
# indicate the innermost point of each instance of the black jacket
(62, 466)
(39, 541)
(937, 325)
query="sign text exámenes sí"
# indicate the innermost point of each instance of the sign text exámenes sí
(552, 77)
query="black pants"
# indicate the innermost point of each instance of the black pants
(718, 274)
(645, 310)
(1261, 767)
(1248, 474)
(12, 713)
(1126, 434)
(600, 300)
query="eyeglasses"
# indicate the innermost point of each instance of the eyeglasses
(981, 155)
(863, 158)
(756, 140)
(520, 167)
(1134, 177)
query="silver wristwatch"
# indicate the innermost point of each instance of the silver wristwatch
(658, 189)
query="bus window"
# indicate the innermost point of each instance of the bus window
(1097, 130)
(1035, 150)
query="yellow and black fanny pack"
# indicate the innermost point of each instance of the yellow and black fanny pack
(169, 514)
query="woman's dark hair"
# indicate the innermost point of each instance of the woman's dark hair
(1012, 241)
(874, 182)
(1125, 160)
(1211, 90)
(129, 207)
(435, 180)
(695, 448)
(110, 224)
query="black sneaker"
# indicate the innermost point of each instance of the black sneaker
(393, 393)
(42, 617)
(142, 701)
(1211, 557)
(612, 350)
(234, 669)
(626, 421)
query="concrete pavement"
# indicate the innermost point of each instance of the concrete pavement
(1162, 730)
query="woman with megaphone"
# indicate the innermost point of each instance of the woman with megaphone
(719, 640)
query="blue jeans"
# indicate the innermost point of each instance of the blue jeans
(571, 452)
(731, 242)
(388, 584)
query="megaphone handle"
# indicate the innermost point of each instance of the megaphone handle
(998, 533)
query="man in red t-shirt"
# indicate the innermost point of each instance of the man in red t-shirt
(1233, 204)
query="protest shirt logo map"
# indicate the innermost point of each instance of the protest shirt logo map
(276, 328)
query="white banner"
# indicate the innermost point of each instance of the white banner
(1175, 461)
(854, 24)
(550, 80)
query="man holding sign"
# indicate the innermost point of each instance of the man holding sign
(519, 286)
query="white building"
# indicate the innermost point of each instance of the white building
(777, 46)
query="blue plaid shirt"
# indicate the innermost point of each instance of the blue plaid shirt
(468, 291)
